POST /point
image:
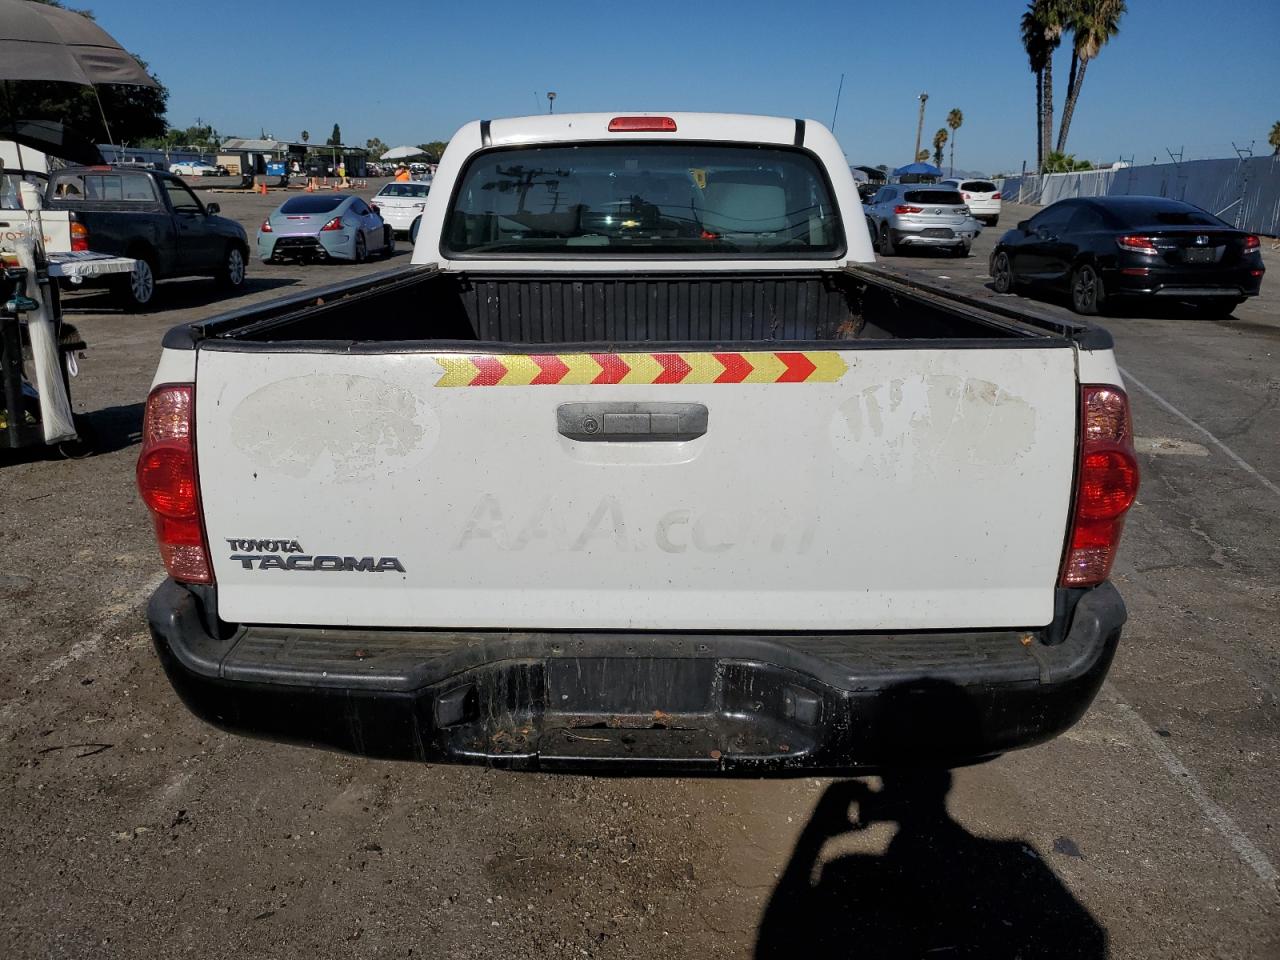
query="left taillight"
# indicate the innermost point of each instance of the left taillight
(1106, 485)
(334, 224)
(167, 482)
(79, 237)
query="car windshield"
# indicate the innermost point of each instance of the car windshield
(1165, 215)
(312, 204)
(933, 196)
(404, 190)
(644, 199)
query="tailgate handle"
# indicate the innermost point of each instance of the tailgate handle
(631, 422)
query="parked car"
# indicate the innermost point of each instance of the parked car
(193, 168)
(980, 196)
(324, 226)
(401, 204)
(914, 215)
(1103, 249)
(415, 517)
(154, 218)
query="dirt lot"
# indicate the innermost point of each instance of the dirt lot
(1150, 830)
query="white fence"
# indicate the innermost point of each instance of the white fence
(1245, 193)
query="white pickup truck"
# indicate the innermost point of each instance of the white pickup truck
(641, 465)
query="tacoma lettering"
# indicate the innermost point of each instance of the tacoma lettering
(271, 561)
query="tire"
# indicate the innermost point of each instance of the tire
(231, 272)
(361, 253)
(1087, 292)
(991, 221)
(136, 291)
(874, 233)
(388, 243)
(961, 251)
(1001, 273)
(887, 248)
(413, 229)
(1218, 308)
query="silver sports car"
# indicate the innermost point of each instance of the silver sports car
(324, 226)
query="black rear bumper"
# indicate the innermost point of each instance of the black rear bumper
(634, 702)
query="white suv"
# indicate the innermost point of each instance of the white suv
(981, 196)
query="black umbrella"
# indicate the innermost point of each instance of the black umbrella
(40, 42)
(55, 139)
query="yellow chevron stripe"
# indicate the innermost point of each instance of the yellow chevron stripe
(830, 366)
(458, 371)
(644, 368)
(520, 371)
(767, 367)
(705, 368)
(582, 368)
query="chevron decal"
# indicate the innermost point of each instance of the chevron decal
(607, 369)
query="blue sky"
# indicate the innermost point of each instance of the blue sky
(1182, 74)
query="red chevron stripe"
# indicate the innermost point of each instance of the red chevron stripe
(799, 367)
(491, 371)
(552, 367)
(612, 368)
(736, 367)
(674, 367)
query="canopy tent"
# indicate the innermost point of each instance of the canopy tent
(403, 153)
(871, 173)
(39, 42)
(918, 170)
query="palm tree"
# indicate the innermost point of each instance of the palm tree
(954, 120)
(922, 156)
(1274, 138)
(306, 135)
(1093, 23)
(939, 141)
(1042, 26)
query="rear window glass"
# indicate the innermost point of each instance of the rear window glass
(644, 199)
(1165, 214)
(404, 190)
(979, 186)
(933, 196)
(114, 187)
(313, 204)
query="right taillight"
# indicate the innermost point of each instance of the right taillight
(167, 482)
(996, 195)
(1252, 244)
(1106, 484)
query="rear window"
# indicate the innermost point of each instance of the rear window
(1165, 215)
(643, 199)
(113, 187)
(404, 190)
(933, 196)
(979, 186)
(312, 204)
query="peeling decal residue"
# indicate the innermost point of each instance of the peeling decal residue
(918, 424)
(333, 427)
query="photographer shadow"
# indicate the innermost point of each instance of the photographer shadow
(936, 891)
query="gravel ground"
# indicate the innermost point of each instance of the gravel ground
(1149, 830)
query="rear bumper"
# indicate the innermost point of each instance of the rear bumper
(623, 702)
(1183, 284)
(332, 244)
(933, 235)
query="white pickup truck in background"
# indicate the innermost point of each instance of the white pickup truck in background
(642, 465)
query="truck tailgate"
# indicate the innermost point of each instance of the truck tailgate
(854, 489)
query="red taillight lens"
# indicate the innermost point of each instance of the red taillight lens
(80, 237)
(965, 195)
(642, 124)
(167, 482)
(266, 226)
(996, 195)
(903, 208)
(1106, 485)
(334, 224)
(1135, 244)
(1252, 244)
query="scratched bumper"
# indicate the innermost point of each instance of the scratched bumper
(643, 703)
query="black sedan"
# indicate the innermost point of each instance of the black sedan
(1102, 249)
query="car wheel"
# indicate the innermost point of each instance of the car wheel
(993, 221)
(362, 248)
(413, 230)
(1218, 308)
(134, 291)
(389, 243)
(231, 273)
(961, 251)
(875, 234)
(1087, 293)
(886, 241)
(1001, 273)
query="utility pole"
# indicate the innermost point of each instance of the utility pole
(923, 98)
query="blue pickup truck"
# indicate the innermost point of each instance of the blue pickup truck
(154, 218)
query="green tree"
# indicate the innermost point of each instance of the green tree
(306, 136)
(939, 142)
(376, 147)
(335, 138)
(1042, 27)
(1093, 23)
(134, 113)
(434, 150)
(954, 120)
(922, 156)
(1274, 138)
(1058, 162)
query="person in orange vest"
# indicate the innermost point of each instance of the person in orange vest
(402, 174)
